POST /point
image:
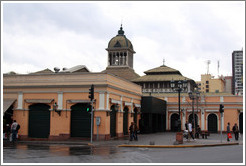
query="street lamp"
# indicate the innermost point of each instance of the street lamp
(194, 96)
(179, 86)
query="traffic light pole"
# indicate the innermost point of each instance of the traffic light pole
(91, 96)
(92, 115)
(221, 115)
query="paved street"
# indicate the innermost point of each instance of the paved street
(109, 152)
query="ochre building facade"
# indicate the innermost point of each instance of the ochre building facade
(54, 106)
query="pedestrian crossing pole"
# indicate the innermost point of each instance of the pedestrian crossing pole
(221, 115)
(91, 96)
(92, 115)
(221, 127)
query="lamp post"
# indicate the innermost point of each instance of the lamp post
(194, 96)
(179, 86)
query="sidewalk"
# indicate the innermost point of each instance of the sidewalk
(167, 140)
(163, 139)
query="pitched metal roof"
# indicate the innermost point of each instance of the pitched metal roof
(157, 78)
(160, 74)
(162, 69)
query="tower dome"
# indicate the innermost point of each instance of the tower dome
(120, 41)
(120, 57)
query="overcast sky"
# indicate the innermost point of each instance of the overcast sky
(36, 36)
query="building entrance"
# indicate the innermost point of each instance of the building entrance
(125, 121)
(241, 122)
(113, 121)
(212, 123)
(80, 120)
(174, 122)
(39, 121)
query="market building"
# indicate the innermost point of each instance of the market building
(157, 83)
(54, 105)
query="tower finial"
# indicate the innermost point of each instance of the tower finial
(121, 32)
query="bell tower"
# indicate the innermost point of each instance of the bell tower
(120, 57)
(120, 51)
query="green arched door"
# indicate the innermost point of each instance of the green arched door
(212, 123)
(125, 121)
(39, 121)
(113, 121)
(80, 121)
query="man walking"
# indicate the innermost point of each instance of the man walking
(131, 128)
(235, 131)
(14, 131)
(190, 130)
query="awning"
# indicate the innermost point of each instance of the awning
(7, 103)
(78, 101)
(46, 101)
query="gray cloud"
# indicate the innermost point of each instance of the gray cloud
(65, 35)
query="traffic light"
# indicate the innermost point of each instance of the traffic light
(221, 108)
(88, 108)
(91, 92)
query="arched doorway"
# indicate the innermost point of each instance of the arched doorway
(241, 122)
(125, 121)
(174, 122)
(39, 121)
(191, 120)
(212, 123)
(113, 121)
(80, 120)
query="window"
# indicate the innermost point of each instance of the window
(207, 82)
(207, 90)
(207, 86)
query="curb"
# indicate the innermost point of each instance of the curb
(177, 146)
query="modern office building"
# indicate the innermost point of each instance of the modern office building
(237, 72)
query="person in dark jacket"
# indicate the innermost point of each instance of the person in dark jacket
(131, 128)
(135, 130)
(235, 131)
(186, 125)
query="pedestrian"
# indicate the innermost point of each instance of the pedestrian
(131, 128)
(186, 125)
(7, 131)
(198, 131)
(228, 132)
(135, 132)
(190, 130)
(235, 131)
(14, 130)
